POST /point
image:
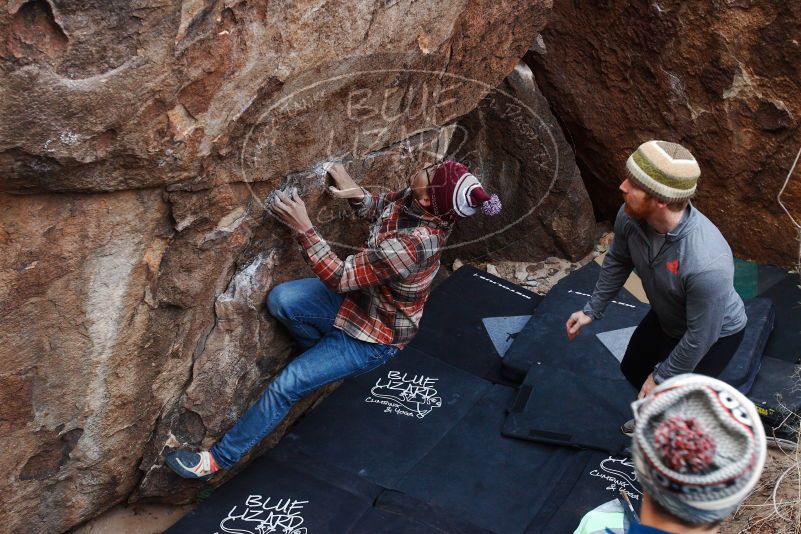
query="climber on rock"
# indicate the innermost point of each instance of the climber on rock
(358, 311)
(697, 319)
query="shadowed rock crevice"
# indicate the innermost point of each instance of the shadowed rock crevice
(514, 144)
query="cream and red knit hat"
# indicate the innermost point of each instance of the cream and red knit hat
(698, 447)
(455, 192)
(665, 170)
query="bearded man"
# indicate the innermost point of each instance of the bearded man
(697, 319)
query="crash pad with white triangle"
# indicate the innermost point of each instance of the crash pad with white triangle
(617, 341)
(503, 330)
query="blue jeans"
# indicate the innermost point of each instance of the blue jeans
(308, 309)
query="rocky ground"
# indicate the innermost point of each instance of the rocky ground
(541, 276)
(775, 505)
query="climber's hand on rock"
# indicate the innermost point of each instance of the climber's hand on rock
(291, 210)
(345, 186)
(576, 322)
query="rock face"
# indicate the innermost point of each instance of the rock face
(513, 143)
(137, 142)
(724, 78)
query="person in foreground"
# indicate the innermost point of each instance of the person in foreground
(360, 310)
(698, 448)
(697, 319)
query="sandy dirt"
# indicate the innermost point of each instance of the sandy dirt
(766, 512)
(134, 519)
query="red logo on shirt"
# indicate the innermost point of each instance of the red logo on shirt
(673, 267)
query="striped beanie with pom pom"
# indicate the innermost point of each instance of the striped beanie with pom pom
(698, 447)
(454, 191)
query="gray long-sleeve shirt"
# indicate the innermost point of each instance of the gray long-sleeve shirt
(689, 282)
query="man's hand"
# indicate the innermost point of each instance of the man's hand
(346, 187)
(291, 210)
(576, 322)
(646, 388)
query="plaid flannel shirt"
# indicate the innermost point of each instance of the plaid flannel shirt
(387, 283)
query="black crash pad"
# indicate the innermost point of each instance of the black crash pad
(544, 340)
(493, 482)
(575, 408)
(745, 364)
(380, 424)
(397, 513)
(775, 394)
(590, 481)
(782, 288)
(560, 407)
(463, 315)
(272, 495)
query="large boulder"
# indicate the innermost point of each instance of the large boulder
(723, 78)
(514, 144)
(137, 143)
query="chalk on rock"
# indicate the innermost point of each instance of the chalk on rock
(457, 263)
(491, 269)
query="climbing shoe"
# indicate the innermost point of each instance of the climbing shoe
(200, 465)
(628, 427)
